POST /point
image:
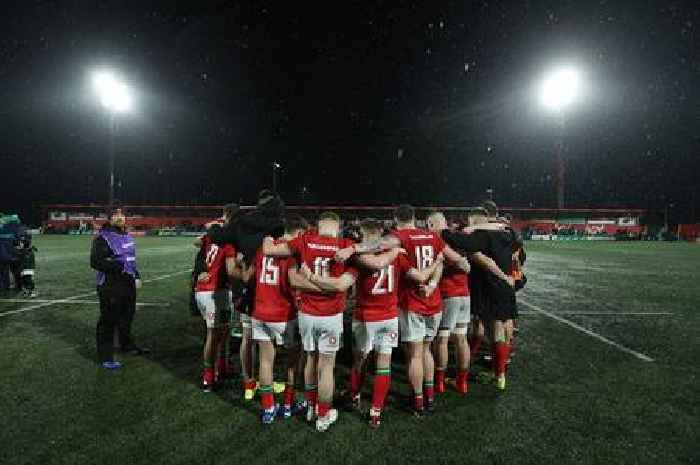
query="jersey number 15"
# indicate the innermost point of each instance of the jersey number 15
(270, 273)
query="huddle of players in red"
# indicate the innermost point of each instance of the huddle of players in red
(410, 287)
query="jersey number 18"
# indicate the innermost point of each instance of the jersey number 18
(424, 256)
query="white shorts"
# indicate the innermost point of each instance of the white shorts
(215, 307)
(281, 333)
(456, 314)
(415, 327)
(380, 336)
(321, 333)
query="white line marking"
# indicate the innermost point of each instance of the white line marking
(525, 312)
(595, 335)
(72, 298)
(139, 304)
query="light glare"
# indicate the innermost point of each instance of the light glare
(560, 88)
(114, 95)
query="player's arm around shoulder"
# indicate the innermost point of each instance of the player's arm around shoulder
(456, 259)
(300, 281)
(487, 263)
(421, 276)
(281, 249)
(328, 284)
(367, 247)
(377, 262)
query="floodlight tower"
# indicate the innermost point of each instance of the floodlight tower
(559, 90)
(115, 97)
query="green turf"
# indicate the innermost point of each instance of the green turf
(571, 398)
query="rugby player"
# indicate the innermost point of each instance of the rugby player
(456, 306)
(492, 287)
(213, 297)
(320, 314)
(274, 321)
(375, 323)
(420, 305)
(224, 368)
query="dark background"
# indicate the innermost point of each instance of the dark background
(361, 102)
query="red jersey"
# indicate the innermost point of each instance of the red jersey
(422, 247)
(378, 291)
(274, 301)
(215, 260)
(317, 253)
(454, 282)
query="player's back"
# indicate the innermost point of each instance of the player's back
(454, 282)
(318, 252)
(215, 265)
(377, 291)
(274, 301)
(422, 248)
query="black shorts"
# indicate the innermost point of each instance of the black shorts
(497, 301)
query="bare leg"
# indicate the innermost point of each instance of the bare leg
(428, 363)
(246, 355)
(415, 371)
(326, 380)
(210, 348)
(267, 361)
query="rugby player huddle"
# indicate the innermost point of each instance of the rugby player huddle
(419, 287)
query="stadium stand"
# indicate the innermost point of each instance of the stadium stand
(534, 223)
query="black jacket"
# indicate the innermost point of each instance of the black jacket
(247, 231)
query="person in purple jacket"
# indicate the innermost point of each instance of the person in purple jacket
(113, 256)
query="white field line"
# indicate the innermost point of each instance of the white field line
(79, 296)
(525, 312)
(139, 304)
(588, 332)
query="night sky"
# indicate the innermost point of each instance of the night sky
(366, 102)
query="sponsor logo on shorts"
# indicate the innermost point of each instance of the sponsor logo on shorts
(332, 341)
(393, 335)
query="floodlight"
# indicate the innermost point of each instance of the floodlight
(560, 88)
(114, 95)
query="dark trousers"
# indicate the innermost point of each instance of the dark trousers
(16, 269)
(4, 275)
(117, 308)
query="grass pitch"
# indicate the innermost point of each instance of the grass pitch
(606, 371)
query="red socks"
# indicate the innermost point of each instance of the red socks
(501, 353)
(323, 408)
(208, 375)
(428, 391)
(382, 383)
(439, 381)
(288, 395)
(356, 380)
(267, 397)
(462, 381)
(418, 401)
(311, 395)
